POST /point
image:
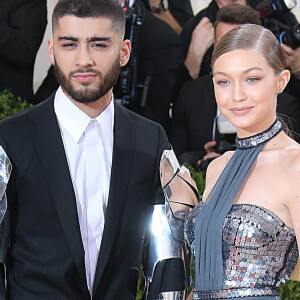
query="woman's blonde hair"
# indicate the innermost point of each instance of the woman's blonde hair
(256, 37)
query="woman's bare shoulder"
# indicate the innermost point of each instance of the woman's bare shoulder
(294, 160)
(214, 170)
(216, 167)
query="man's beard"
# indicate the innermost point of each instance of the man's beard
(88, 95)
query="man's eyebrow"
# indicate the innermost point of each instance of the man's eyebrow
(244, 72)
(67, 38)
(99, 39)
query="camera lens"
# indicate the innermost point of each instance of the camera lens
(292, 36)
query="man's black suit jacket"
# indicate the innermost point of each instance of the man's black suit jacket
(22, 27)
(46, 255)
(193, 116)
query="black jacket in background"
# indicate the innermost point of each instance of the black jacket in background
(181, 10)
(193, 116)
(22, 26)
(186, 35)
(195, 110)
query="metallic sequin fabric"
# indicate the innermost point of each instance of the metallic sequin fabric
(259, 252)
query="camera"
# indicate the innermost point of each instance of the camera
(289, 35)
(268, 8)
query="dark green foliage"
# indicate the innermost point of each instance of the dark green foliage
(140, 287)
(199, 178)
(290, 290)
(10, 105)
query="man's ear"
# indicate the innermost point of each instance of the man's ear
(125, 52)
(283, 80)
(50, 51)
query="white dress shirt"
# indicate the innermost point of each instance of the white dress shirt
(91, 202)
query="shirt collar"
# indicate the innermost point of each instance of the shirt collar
(75, 121)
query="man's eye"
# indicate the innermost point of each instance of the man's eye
(98, 45)
(69, 45)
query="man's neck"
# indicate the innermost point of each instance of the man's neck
(93, 109)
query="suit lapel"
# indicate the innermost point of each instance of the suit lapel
(123, 150)
(50, 150)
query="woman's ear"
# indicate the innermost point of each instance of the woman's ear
(283, 79)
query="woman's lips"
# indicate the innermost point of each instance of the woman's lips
(240, 111)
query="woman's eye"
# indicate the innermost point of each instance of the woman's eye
(223, 82)
(252, 79)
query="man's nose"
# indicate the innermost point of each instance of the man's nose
(84, 58)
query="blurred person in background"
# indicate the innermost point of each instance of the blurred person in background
(293, 62)
(197, 38)
(173, 12)
(22, 27)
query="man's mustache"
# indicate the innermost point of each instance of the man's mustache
(85, 70)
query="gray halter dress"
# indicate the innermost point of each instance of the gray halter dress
(241, 251)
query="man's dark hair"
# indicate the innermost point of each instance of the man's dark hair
(237, 14)
(110, 9)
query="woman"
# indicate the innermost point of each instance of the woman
(244, 233)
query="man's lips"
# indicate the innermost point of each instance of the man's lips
(84, 77)
(240, 111)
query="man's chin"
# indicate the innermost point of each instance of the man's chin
(85, 95)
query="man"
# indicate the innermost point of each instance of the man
(22, 26)
(197, 37)
(84, 170)
(157, 55)
(195, 123)
(173, 12)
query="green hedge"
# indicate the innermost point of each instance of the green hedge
(9, 105)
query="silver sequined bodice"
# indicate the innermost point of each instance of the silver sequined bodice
(259, 250)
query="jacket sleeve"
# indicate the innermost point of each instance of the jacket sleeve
(5, 171)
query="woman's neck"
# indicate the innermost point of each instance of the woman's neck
(243, 133)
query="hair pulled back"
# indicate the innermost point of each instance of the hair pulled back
(110, 9)
(252, 37)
